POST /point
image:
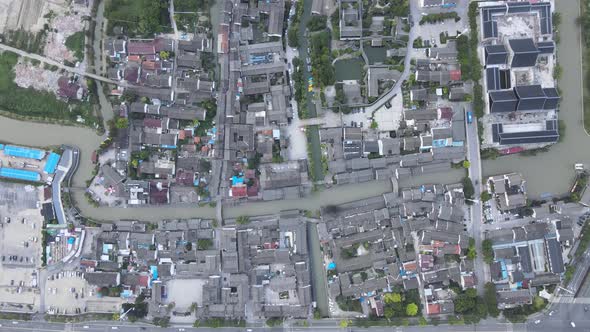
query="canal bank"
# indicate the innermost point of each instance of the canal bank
(551, 173)
(37, 134)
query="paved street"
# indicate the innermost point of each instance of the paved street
(559, 321)
(476, 208)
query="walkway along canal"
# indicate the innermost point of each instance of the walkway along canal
(551, 173)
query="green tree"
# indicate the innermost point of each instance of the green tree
(204, 244)
(471, 251)
(488, 252)
(243, 220)
(392, 298)
(292, 36)
(422, 321)
(345, 323)
(485, 196)
(388, 312)
(466, 164)
(490, 299)
(164, 55)
(411, 309)
(468, 190)
(464, 303)
(122, 123)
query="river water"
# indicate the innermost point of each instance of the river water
(552, 172)
(36, 134)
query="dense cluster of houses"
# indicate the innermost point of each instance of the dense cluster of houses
(257, 105)
(528, 257)
(413, 239)
(256, 271)
(164, 149)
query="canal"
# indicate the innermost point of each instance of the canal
(38, 134)
(551, 173)
(313, 134)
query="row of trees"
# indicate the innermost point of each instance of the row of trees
(321, 59)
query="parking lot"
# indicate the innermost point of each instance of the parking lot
(20, 246)
(66, 293)
(185, 292)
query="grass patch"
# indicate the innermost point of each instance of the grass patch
(140, 17)
(29, 104)
(26, 41)
(75, 43)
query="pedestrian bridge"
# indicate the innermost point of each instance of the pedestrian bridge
(312, 122)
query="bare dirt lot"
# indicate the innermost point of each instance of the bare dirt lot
(22, 14)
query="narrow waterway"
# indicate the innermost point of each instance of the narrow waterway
(552, 172)
(37, 134)
(313, 131)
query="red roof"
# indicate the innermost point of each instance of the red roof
(438, 244)
(468, 281)
(185, 178)
(253, 191)
(131, 74)
(150, 65)
(158, 196)
(456, 247)
(239, 191)
(181, 135)
(455, 75)
(152, 123)
(410, 266)
(433, 309)
(250, 174)
(67, 89)
(446, 113)
(134, 58)
(87, 263)
(143, 280)
(197, 140)
(141, 48)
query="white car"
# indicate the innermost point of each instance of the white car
(537, 321)
(551, 313)
(573, 324)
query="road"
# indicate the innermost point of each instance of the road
(473, 156)
(333, 326)
(59, 65)
(582, 264)
(559, 321)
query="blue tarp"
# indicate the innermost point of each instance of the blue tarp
(71, 240)
(168, 146)
(154, 270)
(51, 163)
(21, 152)
(237, 180)
(19, 174)
(332, 266)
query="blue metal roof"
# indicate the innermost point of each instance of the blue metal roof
(51, 163)
(19, 174)
(21, 152)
